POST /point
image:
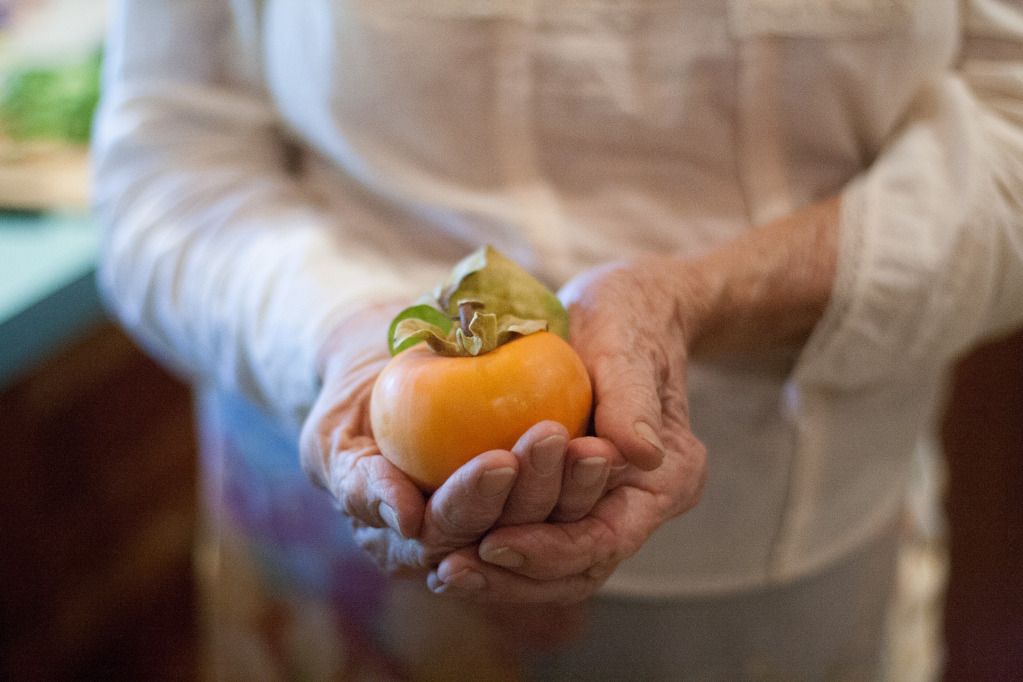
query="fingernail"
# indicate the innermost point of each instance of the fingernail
(496, 481)
(547, 454)
(502, 556)
(587, 472)
(390, 517)
(435, 584)
(646, 432)
(468, 580)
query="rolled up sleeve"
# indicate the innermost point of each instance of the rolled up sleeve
(931, 235)
(216, 258)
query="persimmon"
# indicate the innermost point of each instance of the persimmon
(431, 414)
(489, 371)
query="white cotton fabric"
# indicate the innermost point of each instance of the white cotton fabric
(266, 167)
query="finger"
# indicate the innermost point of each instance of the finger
(337, 455)
(463, 575)
(373, 491)
(620, 523)
(588, 463)
(396, 556)
(541, 454)
(617, 526)
(682, 475)
(628, 405)
(622, 329)
(470, 501)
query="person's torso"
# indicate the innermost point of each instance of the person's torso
(571, 133)
(576, 131)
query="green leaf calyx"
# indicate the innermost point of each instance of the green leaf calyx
(487, 301)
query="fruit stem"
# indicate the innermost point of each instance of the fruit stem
(466, 309)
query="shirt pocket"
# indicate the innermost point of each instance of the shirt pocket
(820, 18)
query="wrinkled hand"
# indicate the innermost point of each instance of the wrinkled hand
(541, 477)
(630, 324)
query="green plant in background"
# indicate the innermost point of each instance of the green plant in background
(54, 104)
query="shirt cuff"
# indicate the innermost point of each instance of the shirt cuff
(910, 287)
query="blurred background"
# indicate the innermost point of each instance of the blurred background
(97, 481)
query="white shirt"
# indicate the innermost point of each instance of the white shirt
(568, 134)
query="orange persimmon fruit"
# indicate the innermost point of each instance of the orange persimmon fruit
(432, 413)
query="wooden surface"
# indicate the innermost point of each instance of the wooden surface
(983, 436)
(97, 502)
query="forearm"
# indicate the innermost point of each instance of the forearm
(766, 289)
(217, 257)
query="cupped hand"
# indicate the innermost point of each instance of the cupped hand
(631, 324)
(540, 477)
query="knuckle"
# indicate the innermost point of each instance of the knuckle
(348, 478)
(605, 541)
(672, 392)
(620, 378)
(459, 523)
(347, 506)
(573, 506)
(381, 477)
(394, 557)
(371, 541)
(591, 542)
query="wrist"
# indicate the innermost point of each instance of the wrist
(702, 305)
(362, 332)
(765, 290)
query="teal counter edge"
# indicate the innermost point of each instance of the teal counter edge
(49, 326)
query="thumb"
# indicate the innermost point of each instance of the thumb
(628, 406)
(627, 357)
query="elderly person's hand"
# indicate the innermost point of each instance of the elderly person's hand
(540, 477)
(635, 324)
(628, 325)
